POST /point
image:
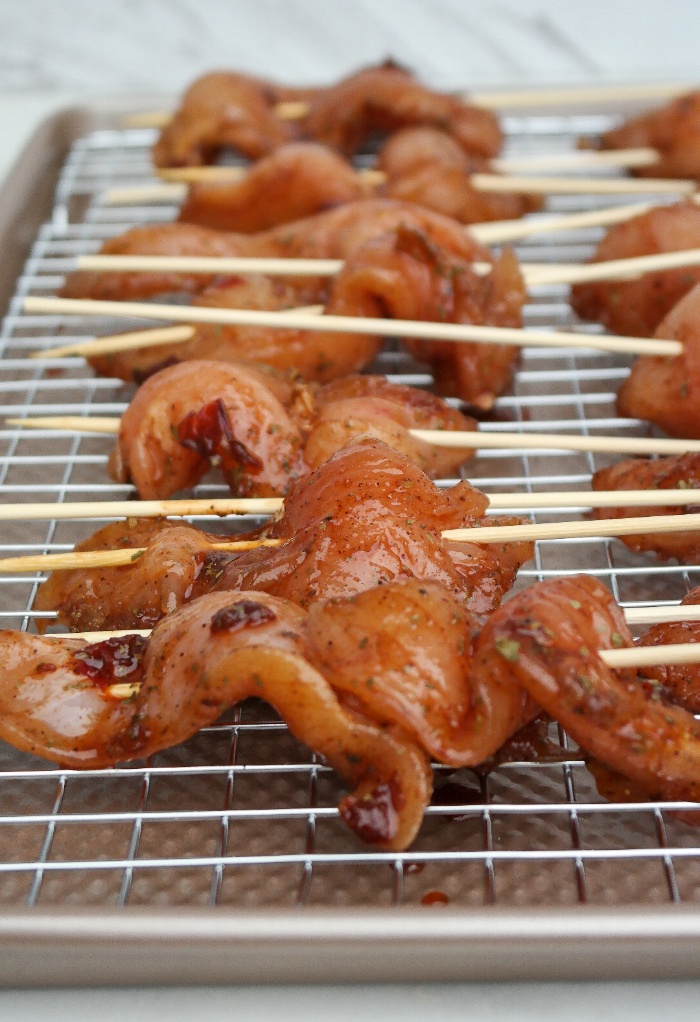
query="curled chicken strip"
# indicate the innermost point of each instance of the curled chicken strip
(402, 275)
(297, 181)
(663, 389)
(672, 129)
(333, 234)
(416, 669)
(636, 307)
(427, 166)
(55, 702)
(385, 98)
(367, 516)
(198, 413)
(222, 110)
(680, 683)
(546, 639)
(681, 472)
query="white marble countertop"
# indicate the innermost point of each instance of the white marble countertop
(56, 55)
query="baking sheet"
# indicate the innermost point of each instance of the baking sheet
(194, 865)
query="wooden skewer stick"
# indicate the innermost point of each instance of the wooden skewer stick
(648, 656)
(142, 338)
(534, 273)
(640, 157)
(483, 440)
(580, 185)
(576, 530)
(136, 195)
(633, 616)
(553, 97)
(478, 534)
(268, 265)
(109, 558)
(632, 656)
(510, 230)
(124, 342)
(617, 269)
(564, 96)
(223, 506)
(456, 332)
(142, 509)
(656, 615)
(482, 182)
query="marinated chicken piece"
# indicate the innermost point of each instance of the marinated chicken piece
(427, 167)
(659, 474)
(665, 389)
(154, 240)
(679, 683)
(57, 702)
(546, 639)
(334, 234)
(302, 179)
(385, 98)
(401, 274)
(636, 307)
(199, 413)
(296, 181)
(223, 110)
(672, 129)
(174, 568)
(371, 406)
(261, 433)
(473, 371)
(414, 669)
(368, 516)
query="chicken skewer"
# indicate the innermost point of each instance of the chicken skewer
(351, 324)
(517, 661)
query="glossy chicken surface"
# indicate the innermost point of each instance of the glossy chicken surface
(679, 683)
(427, 167)
(57, 702)
(546, 639)
(304, 178)
(370, 516)
(665, 389)
(658, 474)
(334, 234)
(385, 98)
(224, 110)
(262, 432)
(367, 516)
(399, 274)
(416, 670)
(296, 181)
(672, 129)
(636, 307)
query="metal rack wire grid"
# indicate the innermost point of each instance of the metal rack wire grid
(242, 815)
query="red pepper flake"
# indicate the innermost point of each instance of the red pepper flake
(209, 433)
(434, 898)
(111, 660)
(244, 614)
(372, 816)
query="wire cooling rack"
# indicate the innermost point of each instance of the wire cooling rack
(242, 816)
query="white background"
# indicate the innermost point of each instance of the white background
(53, 54)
